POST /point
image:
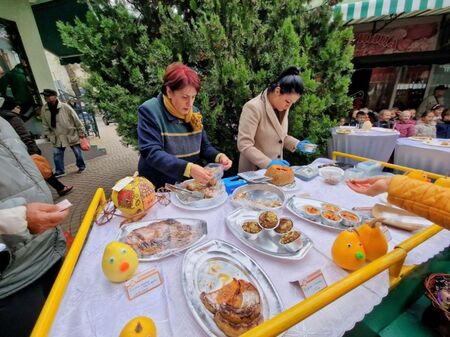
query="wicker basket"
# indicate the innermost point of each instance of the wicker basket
(430, 282)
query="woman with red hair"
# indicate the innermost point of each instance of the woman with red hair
(172, 140)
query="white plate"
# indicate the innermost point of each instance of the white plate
(420, 139)
(293, 187)
(438, 143)
(210, 266)
(217, 201)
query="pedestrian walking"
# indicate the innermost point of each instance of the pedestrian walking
(63, 128)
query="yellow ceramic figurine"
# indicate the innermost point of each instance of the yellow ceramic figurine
(140, 326)
(348, 251)
(119, 261)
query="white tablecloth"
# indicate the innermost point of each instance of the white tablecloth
(92, 306)
(422, 156)
(373, 144)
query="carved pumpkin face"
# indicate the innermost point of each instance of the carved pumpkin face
(140, 326)
(119, 262)
(348, 251)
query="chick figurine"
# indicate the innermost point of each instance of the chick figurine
(139, 327)
(119, 261)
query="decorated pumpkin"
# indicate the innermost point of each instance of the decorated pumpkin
(443, 182)
(418, 175)
(373, 240)
(119, 261)
(348, 251)
(140, 326)
(137, 196)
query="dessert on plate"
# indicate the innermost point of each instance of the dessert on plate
(281, 175)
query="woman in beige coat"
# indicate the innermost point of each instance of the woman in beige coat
(263, 126)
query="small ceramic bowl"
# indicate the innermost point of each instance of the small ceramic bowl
(330, 218)
(350, 219)
(292, 241)
(331, 175)
(251, 229)
(283, 227)
(311, 212)
(268, 220)
(330, 207)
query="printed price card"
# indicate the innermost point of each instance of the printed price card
(122, 183)
(313, 283)
(143, 282)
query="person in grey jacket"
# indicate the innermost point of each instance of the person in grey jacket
(63, 128)
(31, 244)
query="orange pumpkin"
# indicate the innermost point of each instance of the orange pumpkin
(348, 251)
(373, 240)
(443, 182)
(418, 175)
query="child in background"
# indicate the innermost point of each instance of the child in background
(342, 121)
(405, 125)
(384, 119)
(360, 118)
(437, 109)
(443, 127)
(426, 128)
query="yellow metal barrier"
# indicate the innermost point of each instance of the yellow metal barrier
(288, 318)
(48, 313)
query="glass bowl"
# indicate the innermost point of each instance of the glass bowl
(331, 175)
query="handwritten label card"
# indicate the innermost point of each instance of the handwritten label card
(122, 183)
(143, 283)
(313, 283)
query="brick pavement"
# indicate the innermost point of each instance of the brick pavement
(103, 171)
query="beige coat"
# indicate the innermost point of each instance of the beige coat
(261, 137)
(68, 126)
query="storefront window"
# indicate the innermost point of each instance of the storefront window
(381, 86)
(411, 87)
(441, 76)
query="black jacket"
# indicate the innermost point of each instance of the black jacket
(18, 124)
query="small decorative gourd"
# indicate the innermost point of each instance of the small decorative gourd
(137, 196)
(140, 326)
(443, 182)
(372, 239)
(418, 175)
(119, 261)
(348, 251)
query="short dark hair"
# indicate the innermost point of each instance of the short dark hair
(445, 113)
(289, 82)
(424, 114)
(9, 103)
(359, 113)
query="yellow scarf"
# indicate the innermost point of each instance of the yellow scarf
(194, 118)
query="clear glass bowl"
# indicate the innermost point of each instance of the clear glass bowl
(331, 175)
(354, 173)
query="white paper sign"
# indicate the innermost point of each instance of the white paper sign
(143, 282)
(63, 205)
(122, 183)
(313, 283)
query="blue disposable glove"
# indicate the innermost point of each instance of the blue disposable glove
(279, 162)
(301, 146)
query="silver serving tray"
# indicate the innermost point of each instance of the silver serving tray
(264, 243)
(199, 232)
(294, 204)
(258, 196)
(213, 264)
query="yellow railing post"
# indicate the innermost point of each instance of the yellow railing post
(48, 313)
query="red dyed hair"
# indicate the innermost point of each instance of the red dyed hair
(178, 76)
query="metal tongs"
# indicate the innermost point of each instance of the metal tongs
(185, 192)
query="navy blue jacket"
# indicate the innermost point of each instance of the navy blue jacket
(443, 130)
(167, 144)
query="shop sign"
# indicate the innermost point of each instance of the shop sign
(406, 39)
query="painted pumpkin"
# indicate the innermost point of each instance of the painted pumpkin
(373, 240)
(140, 326)
(418, 175)
(443, 182)
(137, 196)
(348, 251)
(119, 261)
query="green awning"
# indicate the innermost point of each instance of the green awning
(374, 10)
(47, 14)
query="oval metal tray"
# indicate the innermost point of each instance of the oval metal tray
(165, 237)
(212, 265)
(219, 190)
(264, 243)
(294, 204)
(259, 196)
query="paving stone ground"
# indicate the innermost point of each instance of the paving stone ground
(103, 171)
